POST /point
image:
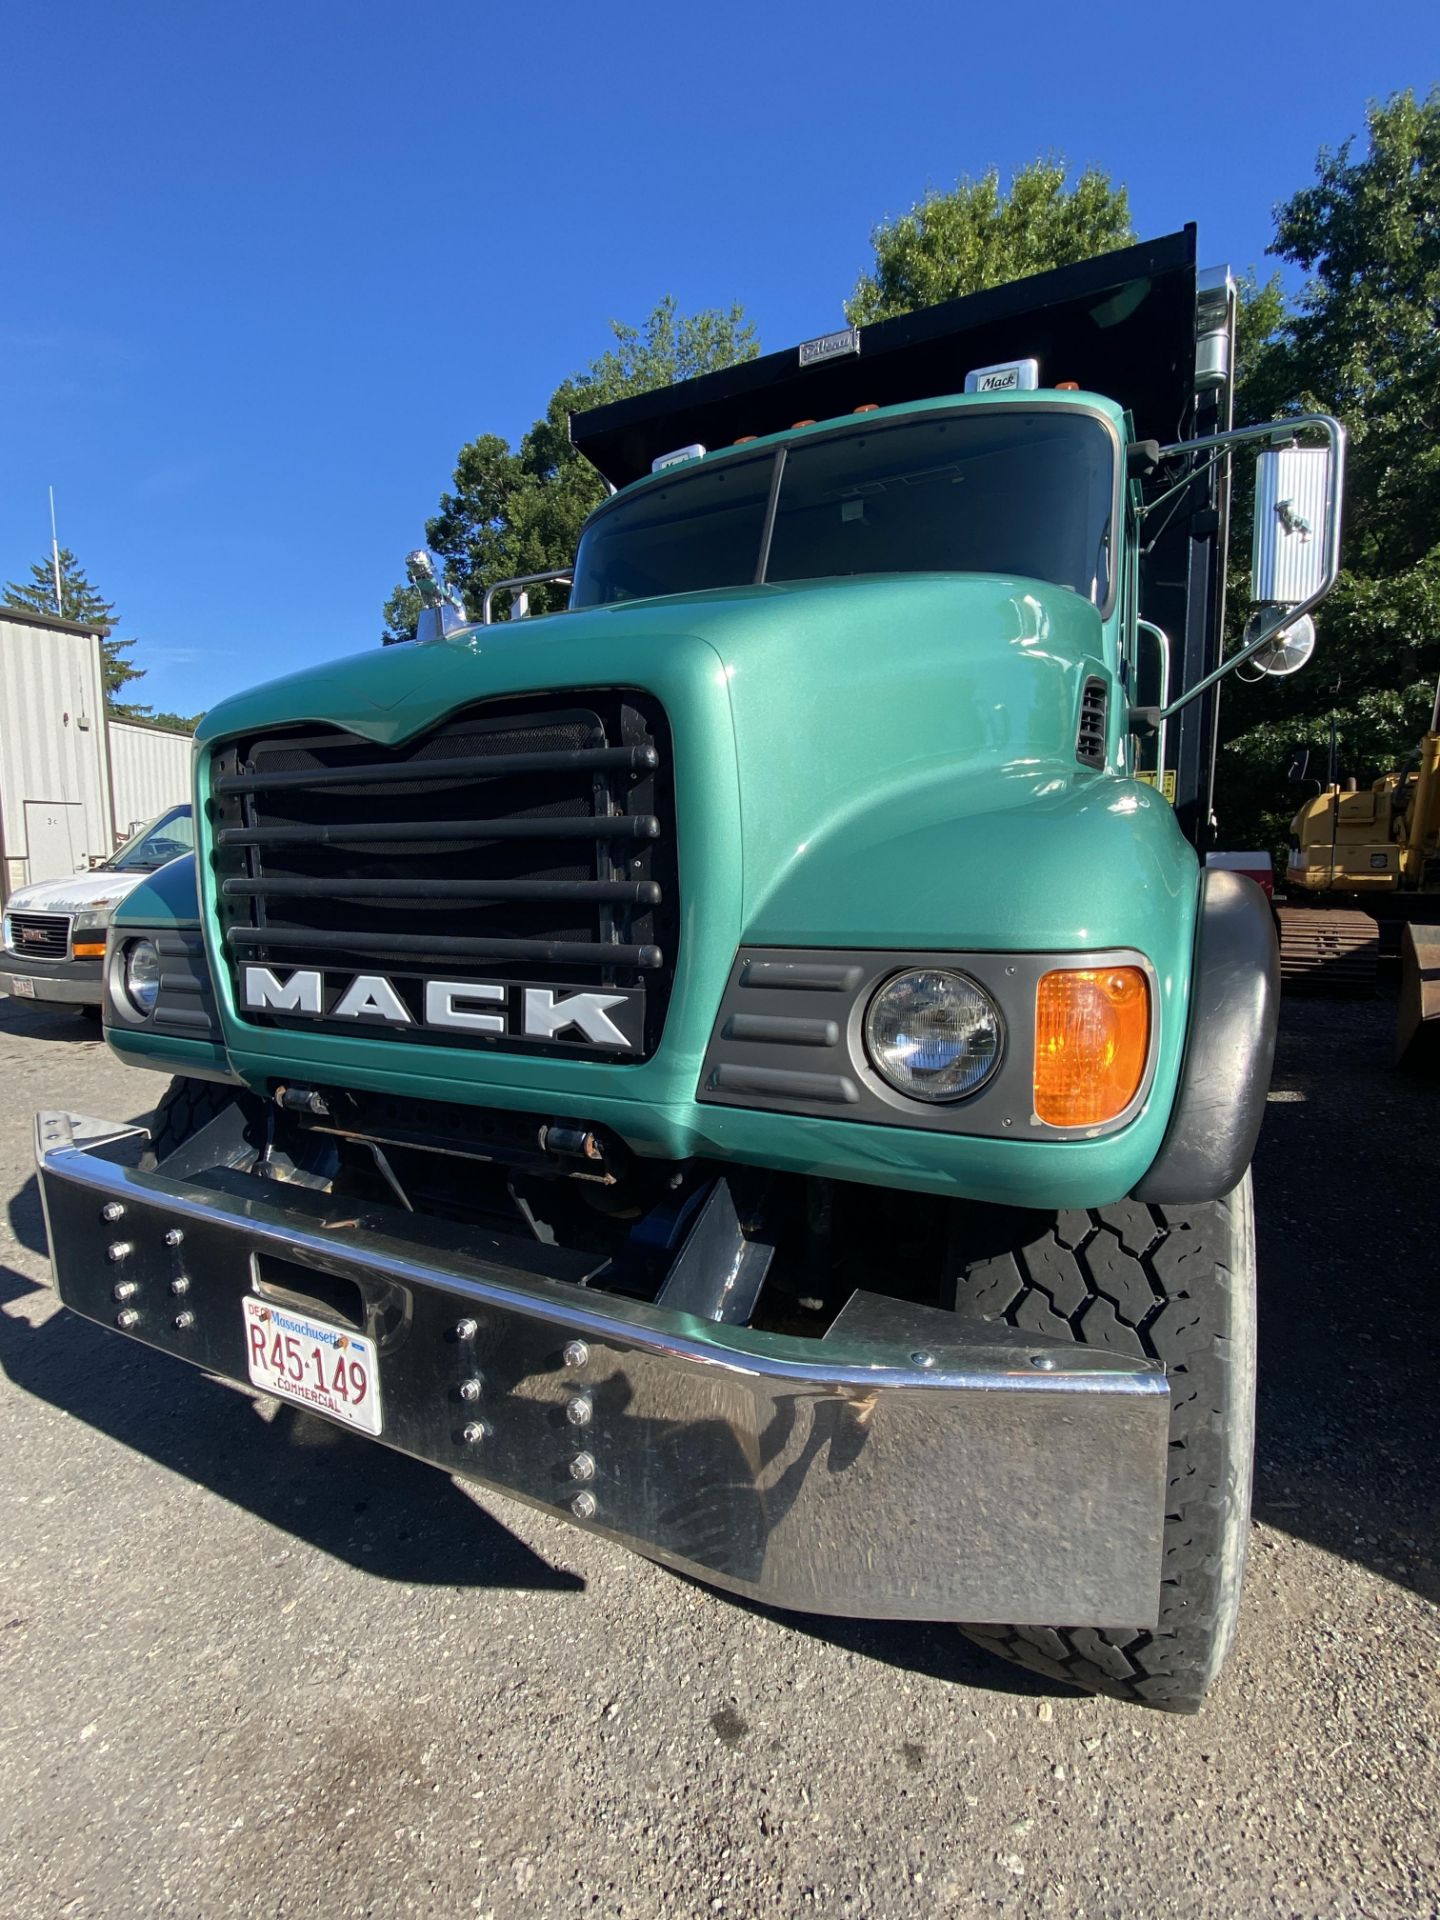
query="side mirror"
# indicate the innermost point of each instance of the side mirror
(1296, 554)
(1294, 492)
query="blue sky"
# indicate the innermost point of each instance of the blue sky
(266, 267)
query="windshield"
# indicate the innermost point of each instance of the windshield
(163, 839)
(1026, 491)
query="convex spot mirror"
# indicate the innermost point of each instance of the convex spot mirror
(1287, 650)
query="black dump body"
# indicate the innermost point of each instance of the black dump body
(1122, 325)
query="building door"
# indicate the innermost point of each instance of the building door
(55, 838)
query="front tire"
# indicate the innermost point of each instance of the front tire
(1174, 1284)
(185, 1107)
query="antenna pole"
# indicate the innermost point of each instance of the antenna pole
(55, 560)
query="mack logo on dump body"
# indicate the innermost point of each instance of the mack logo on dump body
(576, 1017)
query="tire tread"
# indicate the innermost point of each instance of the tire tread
(1171, 1284)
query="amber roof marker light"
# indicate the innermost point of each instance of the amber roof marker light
(1092, 1042)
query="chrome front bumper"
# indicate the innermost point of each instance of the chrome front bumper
(906, 1466)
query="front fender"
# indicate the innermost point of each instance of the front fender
(1234, 1011)
(1032, 858)
(183, 1036)
(169, 897)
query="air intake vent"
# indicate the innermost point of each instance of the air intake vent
(1094, 712)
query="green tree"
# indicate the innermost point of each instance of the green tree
(79, 601)
(1361, 343)
(977, 236)
(514, 511)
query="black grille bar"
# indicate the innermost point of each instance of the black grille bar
(638, 826)
(567, 953)
(487, 767)
(621, 893)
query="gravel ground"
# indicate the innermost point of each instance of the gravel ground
(250, 1665)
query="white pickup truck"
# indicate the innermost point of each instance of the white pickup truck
(54, 931)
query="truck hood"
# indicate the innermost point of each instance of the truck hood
(76, 892)
(869, 759)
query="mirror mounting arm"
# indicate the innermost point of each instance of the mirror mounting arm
(1274, 433)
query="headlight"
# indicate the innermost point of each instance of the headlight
(933, 1035)
(94, 918)
(142, 975)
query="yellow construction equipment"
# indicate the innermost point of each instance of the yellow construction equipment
(1380, 843)
(1378, 839)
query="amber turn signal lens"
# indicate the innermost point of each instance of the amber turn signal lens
(89, 949)
(1092, 1035)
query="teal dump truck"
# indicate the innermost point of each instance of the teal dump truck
(753, 1061)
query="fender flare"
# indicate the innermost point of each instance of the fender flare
(1229, 1047)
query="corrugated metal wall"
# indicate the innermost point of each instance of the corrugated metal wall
(53, 743)
(149, 771)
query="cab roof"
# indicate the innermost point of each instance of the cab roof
(1121, 325)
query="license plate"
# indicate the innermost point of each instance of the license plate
(300, 1358)
(21, 988)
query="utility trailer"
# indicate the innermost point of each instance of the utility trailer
(752, 1062)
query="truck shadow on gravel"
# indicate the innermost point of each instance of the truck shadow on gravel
(1347, 1209)
(376, 1510)
(24, 1020)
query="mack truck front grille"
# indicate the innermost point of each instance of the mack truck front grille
(525, 844)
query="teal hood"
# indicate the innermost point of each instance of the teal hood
(859, 762)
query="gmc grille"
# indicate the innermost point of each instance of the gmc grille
(43, 936)
(525, 840)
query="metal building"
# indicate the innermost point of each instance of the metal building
(149, 771)
(55, 806)
(71, 786)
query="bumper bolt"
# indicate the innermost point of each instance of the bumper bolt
(126, 1317)
(469, 1389)
(124, 1290)
(112, 1211)
(582, 1467)
(173, 1236)
(583, 1506)
(117, 1251)
(184, 1320)
(465, 1329)
(475, 1430)
(578, 1411)
(180, 1284)
(922, 1359)
(576, 1354)
(1046, 1362)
